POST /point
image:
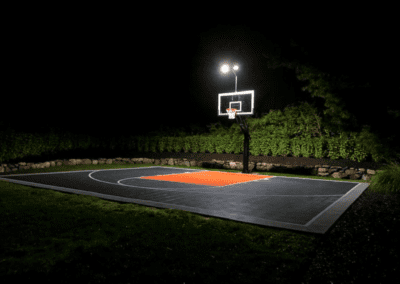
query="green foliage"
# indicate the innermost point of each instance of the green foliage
(346, 147)
(255, 145)
(202, 144)
(336, 117)
(320, 148)
(393, 113)
(284, 147)
(307, 148)
(66, 142)
(178, 143)
(130, 143)
(216, 129)
(160, 144)
(139, 140)
(274, 148)
(121, 143)
(221, 142)
(153, 144)
(187, 142)
(388, 180)
(238, 144)
(265, 146)
(235, 129)
(146, 143)
(170, 144)
(209, 144)
(370, 142)
(296, 146)
(82, 141)
(195, 143)
(232, 144)
(359, 154)
(196, 129)
(295, 120)
(333, 149)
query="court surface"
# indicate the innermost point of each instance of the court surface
(298, 204)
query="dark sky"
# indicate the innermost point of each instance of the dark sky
(113, 79)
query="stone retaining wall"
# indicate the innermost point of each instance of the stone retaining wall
(318, 170)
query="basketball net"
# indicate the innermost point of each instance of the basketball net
(231, 112)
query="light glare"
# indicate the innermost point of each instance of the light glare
(225, 68)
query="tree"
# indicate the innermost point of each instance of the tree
(393, 113)
(321, 84)
(325, 84)
(336, 117)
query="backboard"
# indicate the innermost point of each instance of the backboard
(242, 101)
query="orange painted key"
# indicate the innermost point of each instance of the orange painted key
(209, 178)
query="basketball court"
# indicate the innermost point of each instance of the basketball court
(298, 204)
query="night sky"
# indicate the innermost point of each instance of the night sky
(105, 80)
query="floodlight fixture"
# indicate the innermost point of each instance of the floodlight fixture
(225, 68)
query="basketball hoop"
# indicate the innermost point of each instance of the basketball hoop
(231, 112)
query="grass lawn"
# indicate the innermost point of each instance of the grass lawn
(57, 237)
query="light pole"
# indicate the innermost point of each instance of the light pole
(225, 69)
(243, 124)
